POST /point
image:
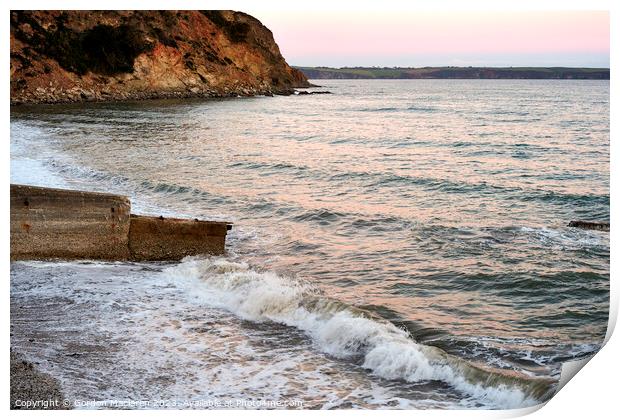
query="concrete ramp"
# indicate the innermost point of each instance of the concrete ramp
(54, 223)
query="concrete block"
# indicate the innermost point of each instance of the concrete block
(158, 238)
(56, 223)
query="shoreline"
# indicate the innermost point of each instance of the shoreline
(32, 389)
(89, 95)
(146, 96)
(457, 73)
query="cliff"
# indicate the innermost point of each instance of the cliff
(455, 73)
(72, 56)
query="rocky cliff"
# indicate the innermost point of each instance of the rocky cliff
(71, 56)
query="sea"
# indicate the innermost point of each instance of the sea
(395, 244)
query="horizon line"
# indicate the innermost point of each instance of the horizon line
(452, 66)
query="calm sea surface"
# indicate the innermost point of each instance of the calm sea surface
(396, 243)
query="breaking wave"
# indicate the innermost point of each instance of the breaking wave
(346, 332)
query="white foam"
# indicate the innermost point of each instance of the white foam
(32, 172)
(195, 353)
(569, 237)
(336, 329)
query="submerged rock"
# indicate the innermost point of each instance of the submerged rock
(603, 226)
(316, 92)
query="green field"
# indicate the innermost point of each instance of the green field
(455, 73)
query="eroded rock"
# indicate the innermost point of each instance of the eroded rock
(155, 54)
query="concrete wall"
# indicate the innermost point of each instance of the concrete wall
(53, 223)
(155, 238)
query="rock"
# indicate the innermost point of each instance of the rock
(602, 226)
(153, 54)
(316, 92)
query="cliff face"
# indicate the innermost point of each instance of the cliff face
(71, 56)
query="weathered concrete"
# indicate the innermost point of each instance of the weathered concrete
(53, 223)
(604, 226)
(158, 238)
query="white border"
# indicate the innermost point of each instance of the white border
(592, 394)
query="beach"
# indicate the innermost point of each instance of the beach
(33, 390)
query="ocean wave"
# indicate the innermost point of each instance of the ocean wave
(278, 166)
(379, 109)
(367, 180)
(374, 180)
(421, 108)
(346, 332)
(411, 108)
(572, 238)
(321, 216)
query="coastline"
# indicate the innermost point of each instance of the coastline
(32, 389)
(57, 56)
(452, 72)
(164, 308)
(79, 95)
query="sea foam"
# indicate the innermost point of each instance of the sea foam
(346, 332)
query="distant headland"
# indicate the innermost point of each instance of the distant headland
(583, 73)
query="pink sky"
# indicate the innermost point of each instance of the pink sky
(546, 38)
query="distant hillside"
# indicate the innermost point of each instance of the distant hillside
(81, 55)
(455, 73)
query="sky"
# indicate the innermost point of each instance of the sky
(440, 38)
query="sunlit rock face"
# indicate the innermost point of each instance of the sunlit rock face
(70, 56)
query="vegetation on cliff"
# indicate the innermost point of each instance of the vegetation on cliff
(64, 56)
(455, 73)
